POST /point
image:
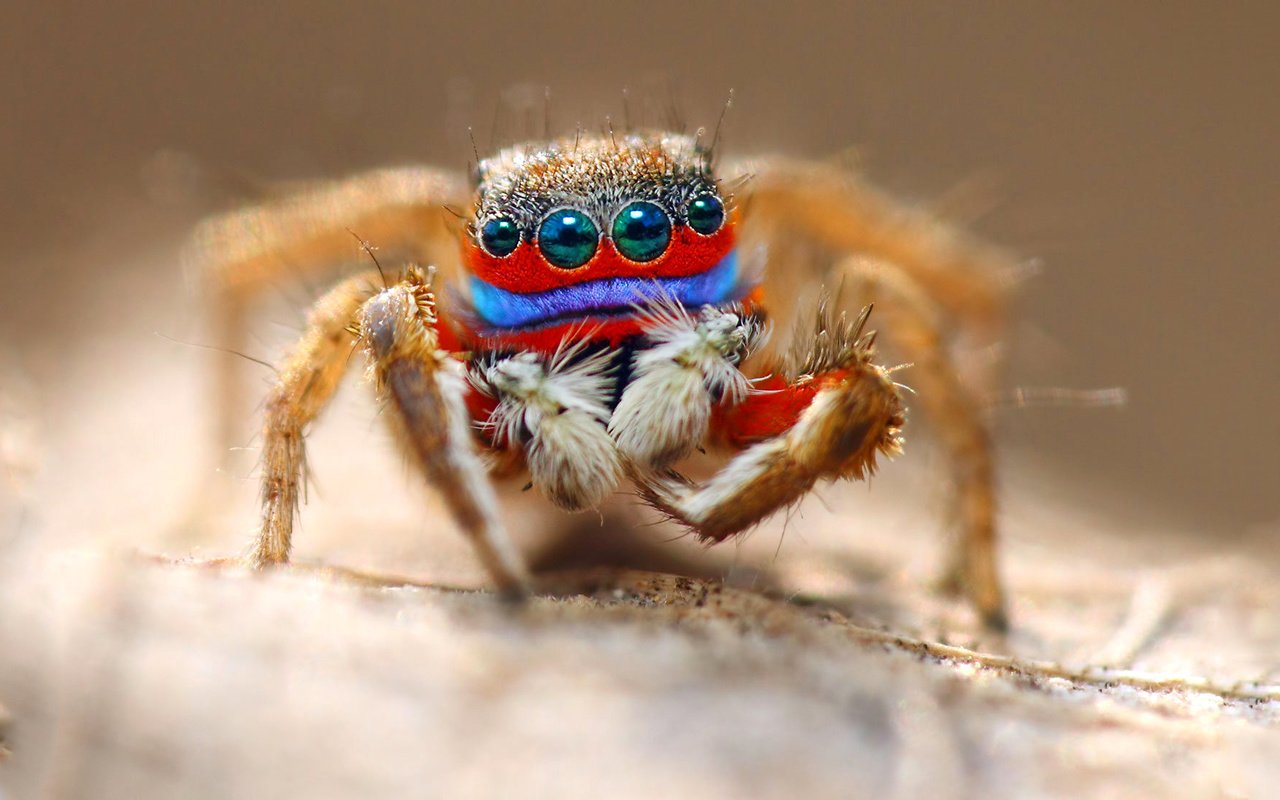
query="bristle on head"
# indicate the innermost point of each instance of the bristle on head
(593, 173)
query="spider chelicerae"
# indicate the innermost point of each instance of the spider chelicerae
(605, 310)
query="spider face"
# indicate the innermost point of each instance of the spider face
(577, 233)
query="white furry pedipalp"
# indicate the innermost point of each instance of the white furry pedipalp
(563, 407)
(666, 408)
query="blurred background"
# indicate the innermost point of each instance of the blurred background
(1130, 148)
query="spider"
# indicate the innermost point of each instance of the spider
(605, 310)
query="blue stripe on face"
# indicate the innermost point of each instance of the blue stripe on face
(504, 309)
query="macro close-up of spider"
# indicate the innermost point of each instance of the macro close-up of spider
(680, 400)
(609, 313)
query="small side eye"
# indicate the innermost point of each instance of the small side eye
(568, 238)
(706, 214)
(500, 236)
(641, 231)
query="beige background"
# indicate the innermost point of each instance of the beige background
(1131, 147)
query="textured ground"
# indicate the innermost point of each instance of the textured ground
(128, 678)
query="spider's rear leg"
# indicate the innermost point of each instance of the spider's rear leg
(305, 236)
(934, 280)
(913, 324)
(829, 421)
(966, 277)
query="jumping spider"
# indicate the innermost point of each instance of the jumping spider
(606, 317)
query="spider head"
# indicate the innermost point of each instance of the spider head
(589, 228)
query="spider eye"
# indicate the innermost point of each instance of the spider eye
(500, 236)
(706, 214)
(568, 238)
(641, 231)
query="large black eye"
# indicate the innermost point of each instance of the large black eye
(500, 236)
(641, 231)
(706, 214)
(568, 238)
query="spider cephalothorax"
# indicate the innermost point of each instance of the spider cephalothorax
(603, 326)
(576, 233)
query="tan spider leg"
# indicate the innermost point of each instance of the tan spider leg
(305, 236)
(427, 387)
(963, 275)
(911, 321)
(938, 272)
(839, 435)
(307, 380)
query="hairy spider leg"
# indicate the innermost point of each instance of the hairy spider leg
(824, 423)
(913, 323)
(967, 278)
(307, 379)
(304, 236)
(926, 276)
(427, 390)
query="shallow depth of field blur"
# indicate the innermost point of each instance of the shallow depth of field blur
(1128, 149)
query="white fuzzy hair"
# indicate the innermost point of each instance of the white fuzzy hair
(564, 406)
(666, 408)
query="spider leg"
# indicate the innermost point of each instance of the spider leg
(307, 235)
(426, 388)
(932, 280)
(307, 380)
(968, 278)
(827, 422)
(913, 325)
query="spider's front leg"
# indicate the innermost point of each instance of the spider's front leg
(935, 282)
(426, 388)
(829, 419)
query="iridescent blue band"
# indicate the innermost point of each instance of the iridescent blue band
(503, 309)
